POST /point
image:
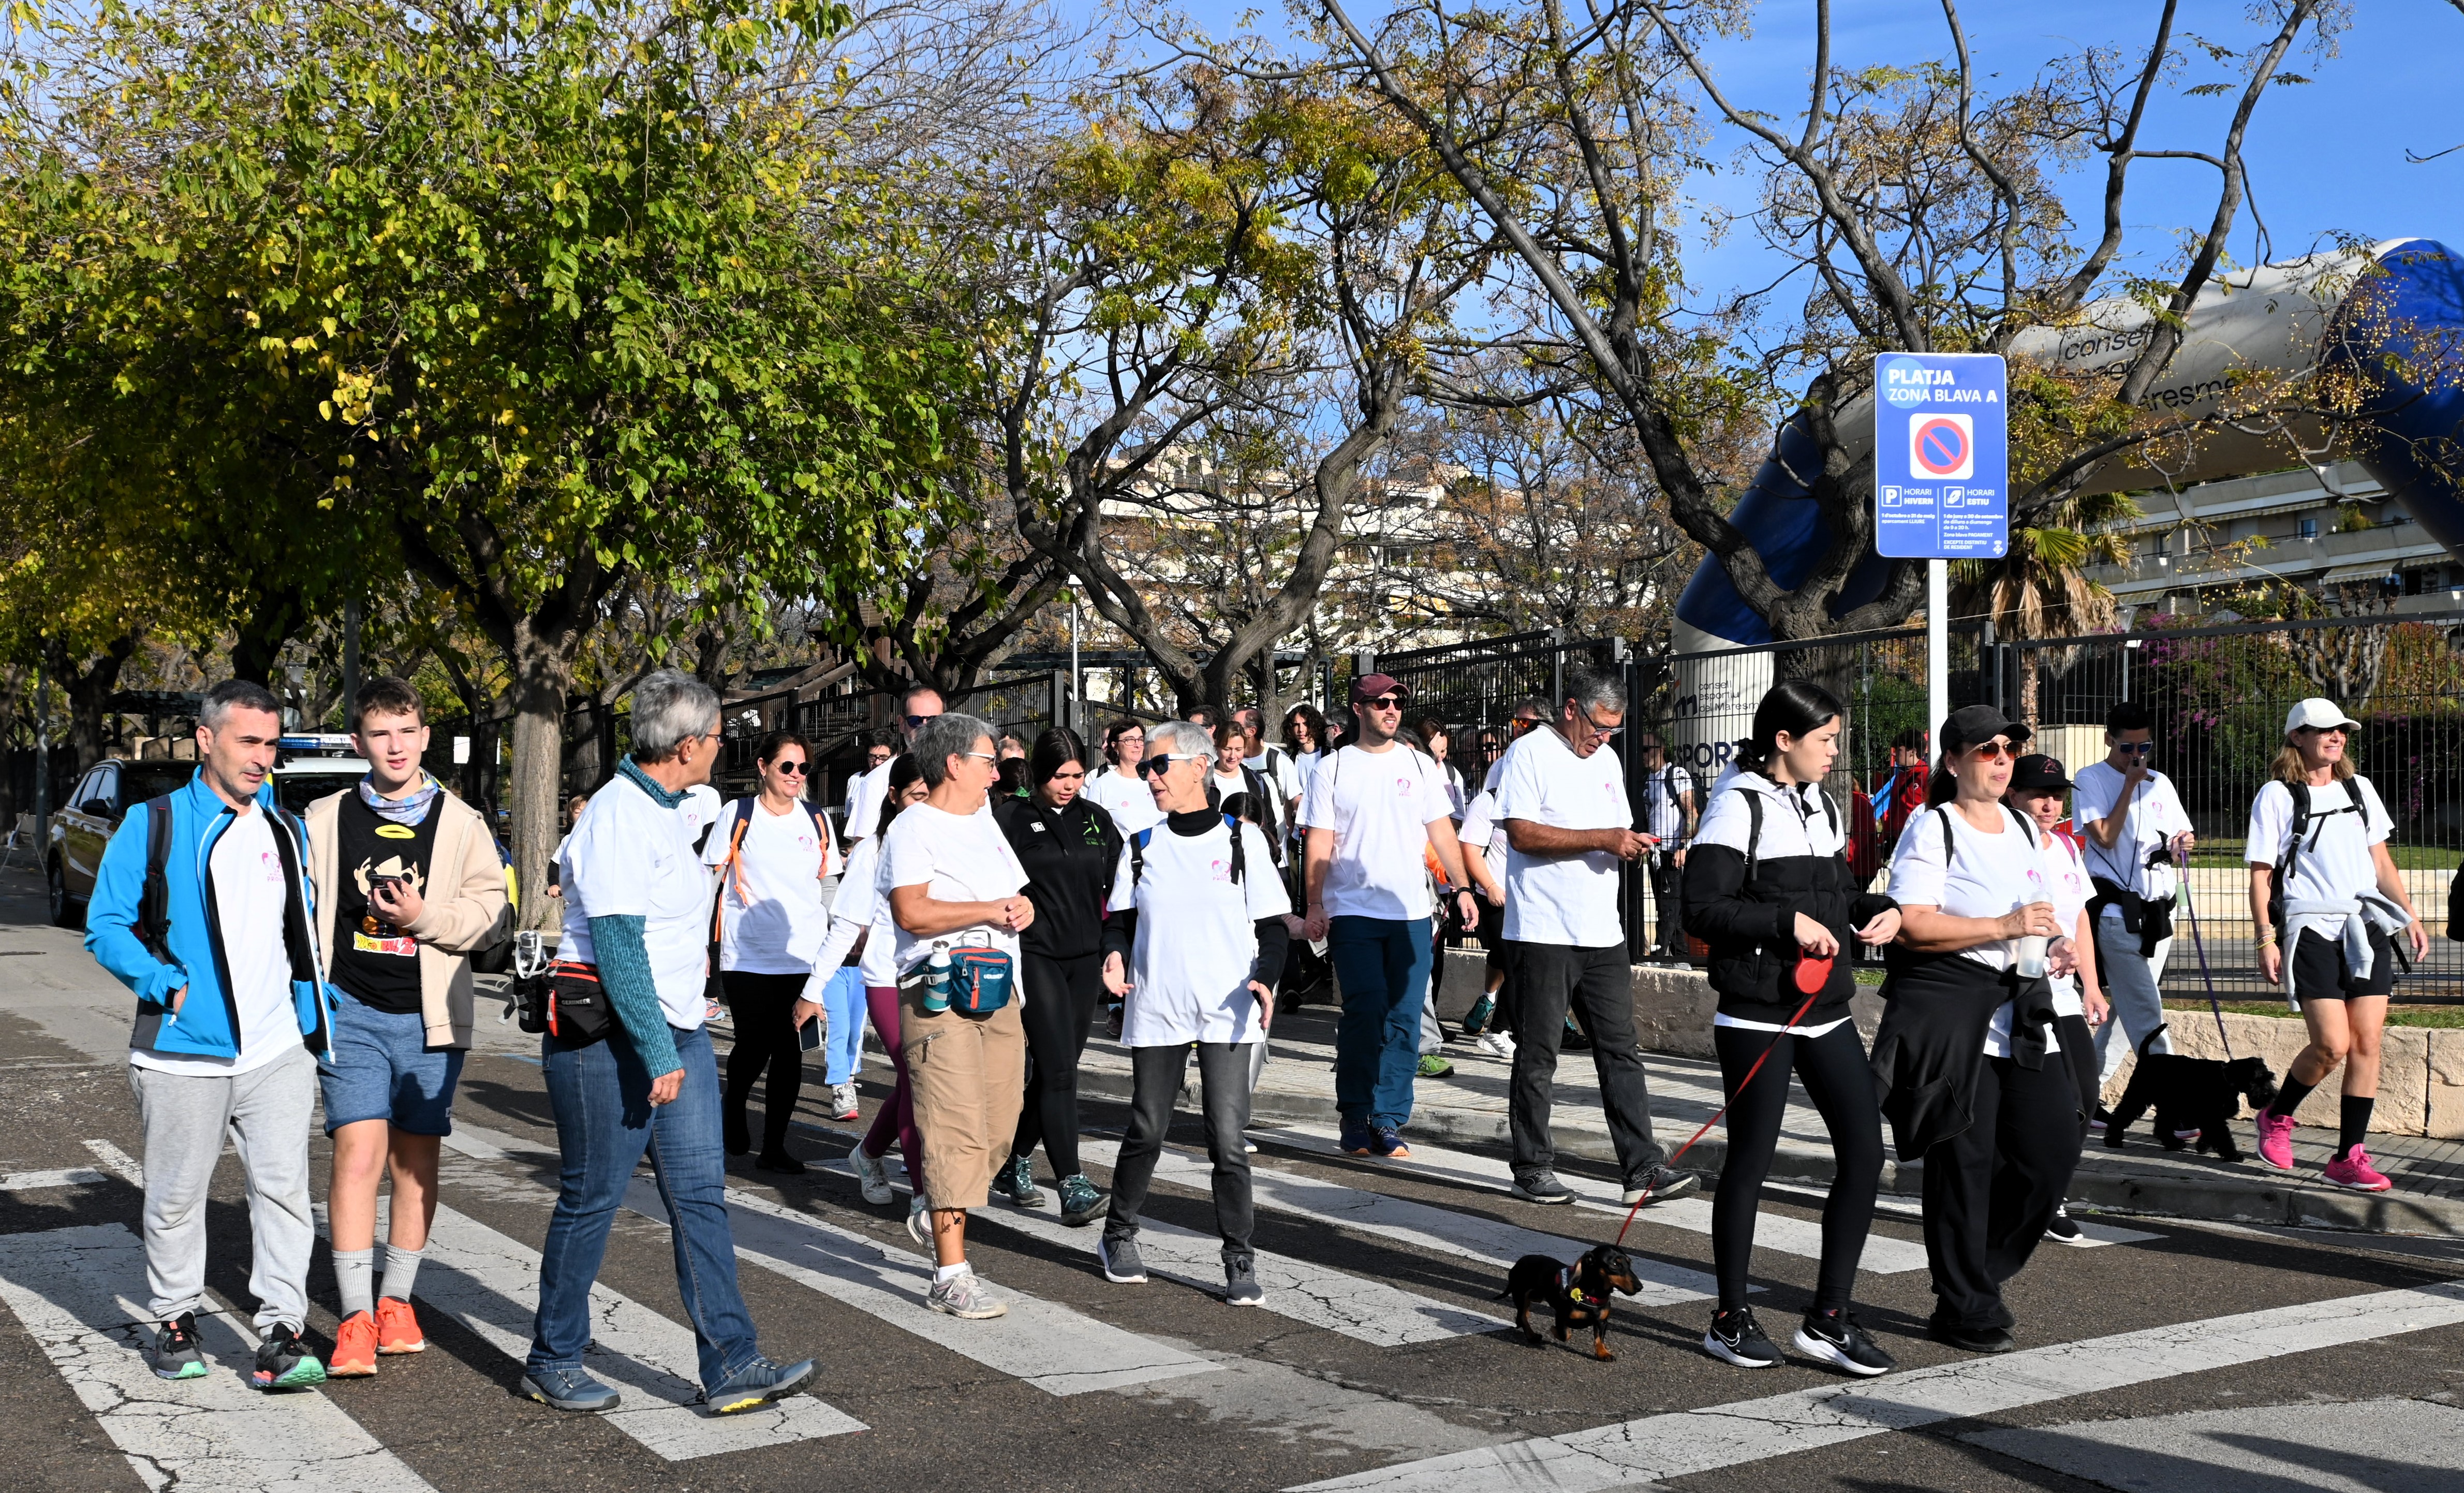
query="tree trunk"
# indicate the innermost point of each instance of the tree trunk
(89, 688)
(542, 676)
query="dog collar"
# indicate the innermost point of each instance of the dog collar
(1566, 1284)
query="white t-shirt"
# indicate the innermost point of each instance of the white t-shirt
(1482, 827)
(631, 858)
(1189, 973)
(1989, 875)
(1126, 797)
(1565, 900)
(864, 802)
(2335, 864)
(860, 908)
(2068, 888)
(1379, 804)
(772, 920)
(1277, 765)
(2154, 816)
(1662, 807)
(250, 892)
(957, 858)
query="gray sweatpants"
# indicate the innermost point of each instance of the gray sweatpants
(2134, 985)
(266, 1112)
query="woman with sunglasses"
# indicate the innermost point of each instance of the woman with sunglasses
(1067, 845)
(778, 865)
(861, 929)
(2326, 902)
(1975, 1084)
(1769, 888)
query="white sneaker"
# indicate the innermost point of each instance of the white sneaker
(871, 1175)
(1496, 1044)
(919, 1220)
(842, 1105)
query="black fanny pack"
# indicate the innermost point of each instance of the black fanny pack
(578, 1011)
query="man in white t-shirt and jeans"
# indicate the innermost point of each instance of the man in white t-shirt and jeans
(1373, 812)
(1562, 797)
(2127, 816)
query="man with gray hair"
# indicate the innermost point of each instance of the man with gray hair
(629, 1066)
(1561, 797)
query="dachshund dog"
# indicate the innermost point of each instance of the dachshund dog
(2202, 1094)
(1578, 1293)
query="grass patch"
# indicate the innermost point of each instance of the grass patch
(2449, 1017)
(2227, 853)
(1869, 976)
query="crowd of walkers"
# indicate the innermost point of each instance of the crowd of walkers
(987, 898)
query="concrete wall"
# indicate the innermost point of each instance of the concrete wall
(2421, 1081)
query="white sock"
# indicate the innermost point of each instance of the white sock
(355, 1272)
(945, 1274)
(402, 1268)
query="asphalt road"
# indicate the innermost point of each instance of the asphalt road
(2185, 1358)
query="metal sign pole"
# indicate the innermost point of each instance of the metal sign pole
(1937, 653)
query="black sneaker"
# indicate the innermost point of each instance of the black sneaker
(1573, 1039)
(1659, 1185)
(1543, 1186)
(2064, 1229)
(284, 1363)
(1971, 1339)
(1736, 1338)
(2100, 1119)
(1836, 1338)
(177, 1355)
(1241, 1287)
(1118, 1255)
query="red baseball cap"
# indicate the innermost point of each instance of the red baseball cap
(1369, 686)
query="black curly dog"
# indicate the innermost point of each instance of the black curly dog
(1578, 1293)
(2202, 1094)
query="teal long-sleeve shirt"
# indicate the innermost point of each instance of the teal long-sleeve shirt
(624, 961)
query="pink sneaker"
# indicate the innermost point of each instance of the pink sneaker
(2276, 1140)
(2355, 1172)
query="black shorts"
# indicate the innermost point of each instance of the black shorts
(1492, 932)
(2321, 973)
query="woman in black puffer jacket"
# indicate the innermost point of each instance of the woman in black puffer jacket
(1767, 887)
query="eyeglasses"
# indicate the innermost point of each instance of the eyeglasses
(1162, 762)
(791, 769)
(1995, 751)
(1602, 731)
(981, 756)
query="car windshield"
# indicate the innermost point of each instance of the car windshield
(139, 781)
(294, 789)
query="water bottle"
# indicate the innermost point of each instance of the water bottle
(2032, 948)
(936, 980)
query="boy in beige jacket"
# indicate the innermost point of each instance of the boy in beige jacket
(408, 885)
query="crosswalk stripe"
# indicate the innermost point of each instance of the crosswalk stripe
(1655, 1448)
(1056, 1350)
(199, 1436)
(1368, 1312)
(1465, 1236)
(488, 1282)
(1883, 1254)
(2099, 1235)
(33, 1181)
(117, 1162)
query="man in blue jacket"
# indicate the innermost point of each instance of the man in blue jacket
(230, 1015)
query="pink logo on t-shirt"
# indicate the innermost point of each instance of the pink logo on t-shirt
(272, 867)
(1220, 871)
(1403, 786)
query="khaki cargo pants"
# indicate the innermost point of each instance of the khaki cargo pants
(968, 1077)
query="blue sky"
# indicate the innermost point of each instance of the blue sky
(2324, 158)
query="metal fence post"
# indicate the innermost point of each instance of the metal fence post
(1556, 668)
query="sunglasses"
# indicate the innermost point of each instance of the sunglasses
(791, 769)
(913, 721)
(1383, 703)
(1994, 751)
(1155, 766)
(2324, 730)
(2135, 748)
(1521, 724)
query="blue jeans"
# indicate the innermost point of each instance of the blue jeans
(604, 1123)
(844, 1047)
(1382, 966)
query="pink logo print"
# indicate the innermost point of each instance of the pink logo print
(273, 866)
(1403, 786)
(1220, 871)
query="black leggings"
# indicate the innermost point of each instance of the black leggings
(1061, 996)
(1841, 1083)
(762, 1007)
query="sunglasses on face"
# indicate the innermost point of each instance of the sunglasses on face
(2135, 748)
(1383, 703)
(2322, 731)
(1521, 724)
(913, 721)
(1155, 766)
(1994, 751)
(791, 769)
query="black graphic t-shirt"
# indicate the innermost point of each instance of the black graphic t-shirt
(375, 961)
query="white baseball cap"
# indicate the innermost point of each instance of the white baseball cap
(2318, 715)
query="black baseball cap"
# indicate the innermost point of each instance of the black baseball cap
(1970, 724)
(2037, 773)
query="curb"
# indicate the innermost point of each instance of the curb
(2257, 1200)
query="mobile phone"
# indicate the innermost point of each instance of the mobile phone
(808, 1036)
(392, 881)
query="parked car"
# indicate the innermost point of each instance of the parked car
(82, 826)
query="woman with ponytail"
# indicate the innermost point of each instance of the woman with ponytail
(1769, 888)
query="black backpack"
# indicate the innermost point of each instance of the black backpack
(1138, 851)
(154, 903)
(2302, 820)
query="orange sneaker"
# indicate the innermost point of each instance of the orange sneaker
(397, 1328)
(355, 1349)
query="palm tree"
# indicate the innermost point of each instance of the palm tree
(2041, 588)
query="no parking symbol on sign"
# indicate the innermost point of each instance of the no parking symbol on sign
(1941, 455)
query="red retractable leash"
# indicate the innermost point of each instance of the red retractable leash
(1819, 967)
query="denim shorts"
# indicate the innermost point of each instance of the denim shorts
(382, 1068)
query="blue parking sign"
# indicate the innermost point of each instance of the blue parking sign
(1942, 456)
